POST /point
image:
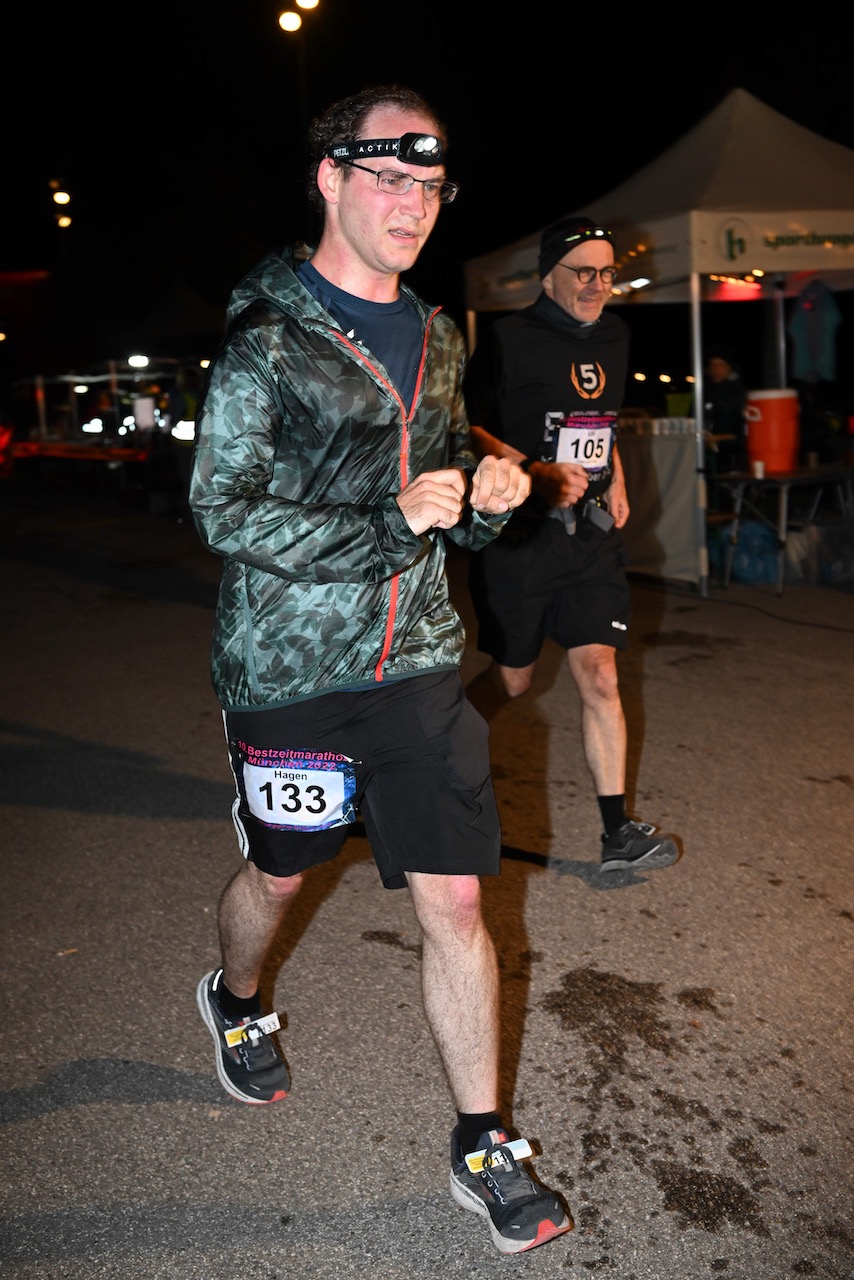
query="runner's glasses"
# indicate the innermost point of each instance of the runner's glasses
(394, 183)
(585, 274)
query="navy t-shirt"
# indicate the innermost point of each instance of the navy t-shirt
(390, 330)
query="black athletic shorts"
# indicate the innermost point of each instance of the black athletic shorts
(538, 582)
(410, 758)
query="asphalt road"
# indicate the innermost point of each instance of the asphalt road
(678, 1044)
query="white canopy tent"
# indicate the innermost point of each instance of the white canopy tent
(746, 205)
(745, 190)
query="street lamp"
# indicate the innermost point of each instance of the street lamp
(61, 198)
(291, 23)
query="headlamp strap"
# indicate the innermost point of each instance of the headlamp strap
(411, 148)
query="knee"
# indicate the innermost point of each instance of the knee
(465, 897)
(447, 904)
(596, 677)
(278, 890)
(604, 686)
(514, 681)
(284, 888)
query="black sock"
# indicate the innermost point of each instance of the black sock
(473, 1125)
(235, 1007)
(613, 811)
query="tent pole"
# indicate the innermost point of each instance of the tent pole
(780, 328)
(40, 406)
(471, 330)
(697, 344)
(697, 360)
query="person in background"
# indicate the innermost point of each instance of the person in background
(333, 456)
(182, 406)
(724, 400)
(543, 389)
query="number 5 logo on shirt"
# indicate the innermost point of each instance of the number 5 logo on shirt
(588, 379)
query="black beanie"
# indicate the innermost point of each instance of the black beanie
(563, 236)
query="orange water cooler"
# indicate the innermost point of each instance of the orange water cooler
(773, 420)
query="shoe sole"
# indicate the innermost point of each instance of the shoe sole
(663, 855)
(546, 1231)
(227, 1084)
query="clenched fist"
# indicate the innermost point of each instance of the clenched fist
(434, 500)
(498, 485)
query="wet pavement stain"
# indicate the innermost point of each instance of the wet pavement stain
(690, 657)
(689, 640)
(676, 1107)
(710, 1173)
(391, 939)
(698, 998)
(746, 1156)
(609, 1012)
(845, 778)
(707, 1200)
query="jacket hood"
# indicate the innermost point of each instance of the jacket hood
(272, 281)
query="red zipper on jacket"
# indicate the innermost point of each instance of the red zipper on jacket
(404, 472)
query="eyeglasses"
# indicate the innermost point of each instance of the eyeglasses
(392, 182)
(585, 274)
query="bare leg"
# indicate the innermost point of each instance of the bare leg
(492, 688)
(603, 724)
(250, 912)
(459, 979)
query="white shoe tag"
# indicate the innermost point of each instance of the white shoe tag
(519, 1147)
(253, 1030)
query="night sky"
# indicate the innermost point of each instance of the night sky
(178, 130)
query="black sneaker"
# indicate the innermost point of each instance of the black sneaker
(637, 845)
(521, 1213)
(247, 1062)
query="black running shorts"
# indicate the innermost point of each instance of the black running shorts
(410, 758)
(540, 582)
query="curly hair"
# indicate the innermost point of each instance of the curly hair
(344, 120)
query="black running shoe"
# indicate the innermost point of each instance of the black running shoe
(636, 845)
(247, 1062)
(521, 1213)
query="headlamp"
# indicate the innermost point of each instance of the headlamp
(411, 148)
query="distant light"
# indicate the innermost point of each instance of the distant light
(2, 337)
(204, 364)
(308, 4)
(138, 362)
(664, 377)
(729, 287)
(640, 377)
(81, 389)
(61, 197)
(63, 221)
(743, 281)
(290, 21)
(184, 431)
(94, 428)
(626, 287)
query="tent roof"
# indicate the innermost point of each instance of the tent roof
(744, 189)
(740, 157)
